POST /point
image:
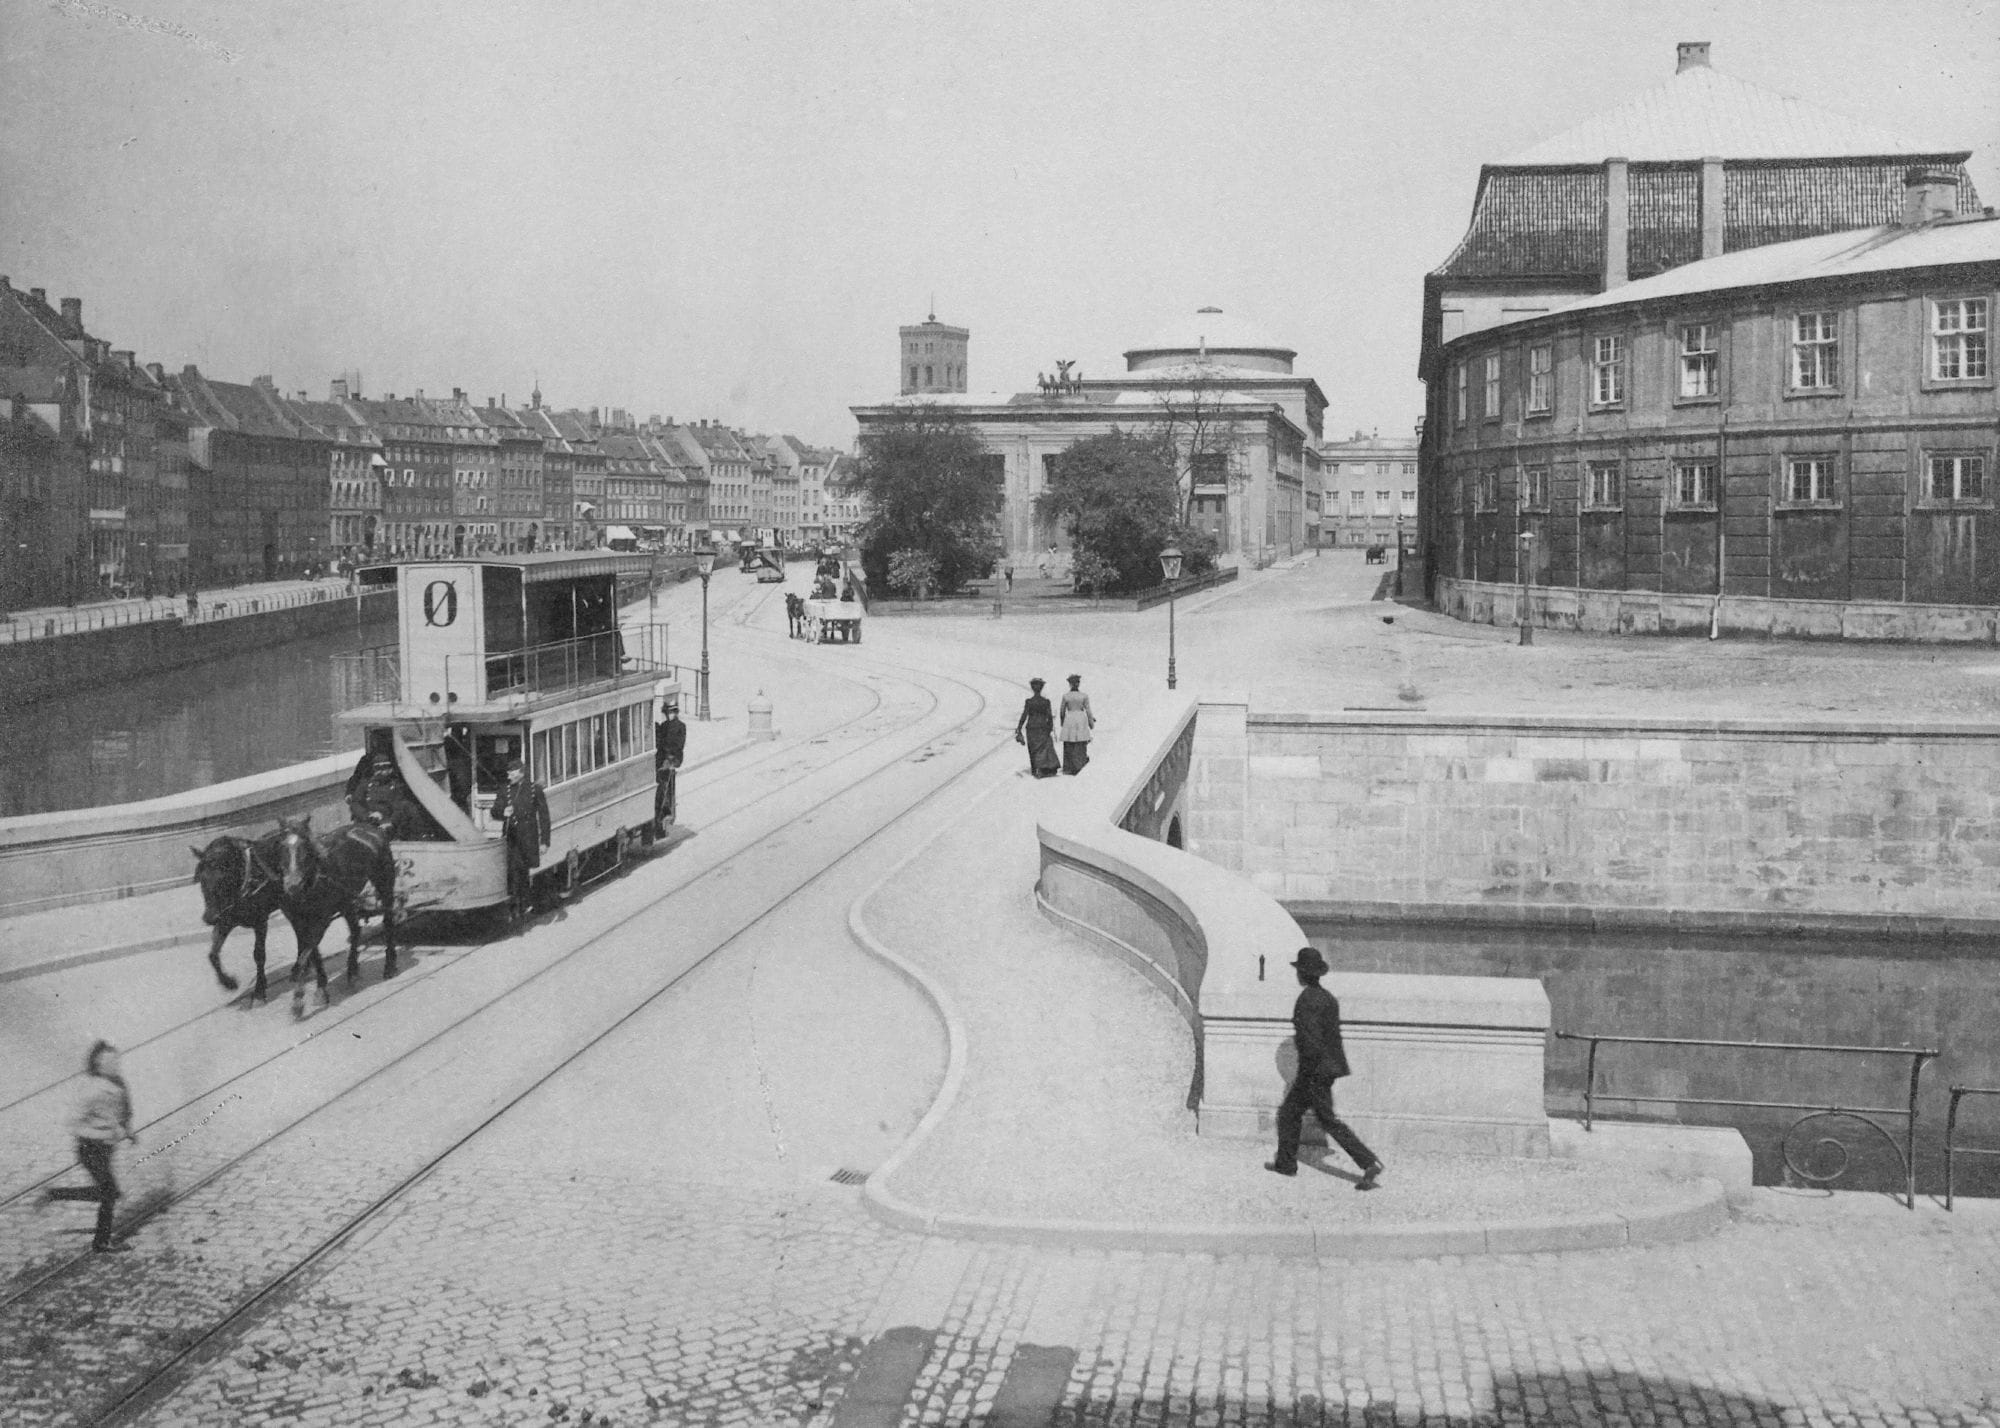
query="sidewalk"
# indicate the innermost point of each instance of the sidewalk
(1067, 1123)
(223, 602)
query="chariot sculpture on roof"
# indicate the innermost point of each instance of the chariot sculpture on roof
(1063, 383)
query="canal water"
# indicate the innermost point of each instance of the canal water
(164, 733)
(1772, 989)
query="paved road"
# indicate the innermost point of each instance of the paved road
(656, 1235)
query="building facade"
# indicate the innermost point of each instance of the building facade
(1702, 166)
(1368, 490)
(257, 482)
(1244, 424)
(418, 467)
(1812, 421)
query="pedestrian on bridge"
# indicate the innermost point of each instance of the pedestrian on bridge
(101, 1119)
(1322, 1061)
(1036, 729)
(1077, 722)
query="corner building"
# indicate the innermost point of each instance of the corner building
(1795, 436)
(1697, 170)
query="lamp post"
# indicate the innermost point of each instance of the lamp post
(1527, 546)
(1170, 566)
(704, 564)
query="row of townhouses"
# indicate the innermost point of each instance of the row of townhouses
(118, 472)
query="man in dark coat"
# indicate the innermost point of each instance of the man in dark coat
(523, 811)
(1322, 1061)
(670, 741)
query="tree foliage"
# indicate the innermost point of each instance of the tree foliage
(1118, 497)
(931, 488)
(912, 572)
(1200, 426)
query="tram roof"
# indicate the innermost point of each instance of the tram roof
(536, 567)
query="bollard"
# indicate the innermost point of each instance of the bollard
(760, 718)
(996, 609)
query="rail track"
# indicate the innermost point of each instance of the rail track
(145, 1383)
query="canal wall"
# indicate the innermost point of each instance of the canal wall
(125, 850)
(1832, 827)
(33, 670)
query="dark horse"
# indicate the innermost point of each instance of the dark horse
(321, 879)
(240, 887)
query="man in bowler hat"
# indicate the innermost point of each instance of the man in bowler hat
(523, 811)
(1322, 1060)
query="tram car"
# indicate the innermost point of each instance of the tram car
(514, 657)
(835, 610)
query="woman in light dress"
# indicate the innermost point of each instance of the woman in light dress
(1077, 721)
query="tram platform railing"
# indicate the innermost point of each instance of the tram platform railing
(1815, 1111)
(575, 663)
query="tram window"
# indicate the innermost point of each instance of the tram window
(599, 758)
(542, 773)
(622, 745)
(569, 751)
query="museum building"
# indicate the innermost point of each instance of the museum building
(1209, 379)
(1802, 423)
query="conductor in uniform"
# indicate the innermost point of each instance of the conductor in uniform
(670, 741)
(1322, 1061)
(523, 811)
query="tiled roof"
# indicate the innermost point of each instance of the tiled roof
(334, 421)
(1549, 223)
(245, 408)
(1880, 249)
(1702, 112)
(36, 384)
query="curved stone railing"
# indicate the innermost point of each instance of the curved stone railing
(127, 849)
(1441, 1063)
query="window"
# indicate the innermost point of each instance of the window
(927, 374)
(1815, 351)
(1607, 371)
(1458, 392)
(1958, 478)
(1958, 339)
(1601, 492)
(1485, 491)
(1541, 379)
(1409, 468)
(1694, 483)
(1809, 480)
(1492, 397)
(1700, 362)
(1534, 488)
(1355, 503)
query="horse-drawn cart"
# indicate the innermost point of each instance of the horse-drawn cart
(834, 621)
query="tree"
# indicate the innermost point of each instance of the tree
(1199, 422)
(931, 488)
(912, 572)
(1117, 497)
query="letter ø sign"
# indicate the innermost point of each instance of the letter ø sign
(440, 603)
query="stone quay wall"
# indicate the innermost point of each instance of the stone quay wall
(32, 670)
(1830, 827)
(1653, 612)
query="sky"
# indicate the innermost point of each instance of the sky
(725, 210)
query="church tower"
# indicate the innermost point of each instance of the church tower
(933, 357)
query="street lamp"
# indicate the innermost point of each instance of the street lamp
(704, 564)
(1170, 566)
(1527, 541)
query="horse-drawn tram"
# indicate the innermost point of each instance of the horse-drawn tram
(503, 658)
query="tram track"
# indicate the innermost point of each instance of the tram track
(431, 963)
(152, 1381)
(739, 768)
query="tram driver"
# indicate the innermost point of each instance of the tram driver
(669, 750)
(523, 811)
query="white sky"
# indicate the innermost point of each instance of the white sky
(726, 209)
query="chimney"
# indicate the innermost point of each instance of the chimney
(1928, 195)
(40, 295)
(128, 360)
(458, 394)
(339, 389)
(1617, 222)
(159, 373)
(72, 311)
(264, 384)
(489, 401)
(1690, 54)
(1712, 208)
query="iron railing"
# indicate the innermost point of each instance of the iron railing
(1952, 1149)
(572, 664)
(1906, 1152)
(161, 609)
(367, 676)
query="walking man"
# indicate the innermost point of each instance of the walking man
(102, 1118)
(669, 749)
(523, 811)
(1322, 1060)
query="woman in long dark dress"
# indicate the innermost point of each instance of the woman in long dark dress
(1036, 728)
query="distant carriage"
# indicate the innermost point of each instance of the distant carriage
(516, 657)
